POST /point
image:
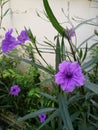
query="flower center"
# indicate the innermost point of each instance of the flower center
(14, 90)
(69, 75)
(42, 116)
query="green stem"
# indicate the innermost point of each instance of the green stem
(73, 53)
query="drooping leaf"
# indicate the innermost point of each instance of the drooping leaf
(48, 96)
(85, 41)
(93, 87)
(90, 63)
(31, 62)
(53, 19)
(34, 114)
(85, 22)
(93, 45)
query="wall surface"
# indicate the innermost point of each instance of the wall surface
(23, 13)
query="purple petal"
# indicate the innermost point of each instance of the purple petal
(64, 66)
(59, 78)
(42, 117)
(68, 86)
(23, 36)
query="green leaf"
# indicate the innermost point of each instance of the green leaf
(2, 83)
(4, 2)
(30, 34)
(51, 117)
(85, 22)
(31, 62)
(93, 87)
(34, 114)
(94, 117)
(95, 31)
(85, 41)
(53, 19)
(93, 45)
(65, 114)
(48, 96)
(75, 115)
(85, 53)
(90, 63)
(45, 81)
(80, 53)
(58, 54)
(95, 104)
(6, 12)
(63, 51)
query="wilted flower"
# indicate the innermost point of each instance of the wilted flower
(71, 33)
(14, 90)
(69, 76)
(23, 36)
(42, 117)
(9, 42)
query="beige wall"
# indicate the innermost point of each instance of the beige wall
(24, 14)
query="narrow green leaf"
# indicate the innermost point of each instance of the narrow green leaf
(85, 41)
(50, 44)
(80, 53)
(65, 114)
(6, 12)
(96, 125)
(45, 81)
(74, 98)
(2, 83)
(36, 48)
(58, 54)
(85, 53)
(90, 63)
(53, 19)
(31, 36)
(93, 45)
(34, 114)
(94, 117)
(63, 51)
(95, 31)
(5, 2)
(31, 62)
(85, 22)
(95, 104)
(75, 115)
(93, 87)
(48, 96)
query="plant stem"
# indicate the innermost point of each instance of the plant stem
(73, 53)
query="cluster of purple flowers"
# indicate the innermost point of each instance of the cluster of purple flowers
(70, 73)
(10, 42)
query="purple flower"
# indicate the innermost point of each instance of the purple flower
(14, 90)
(71, 33)
(9, 42)
(42, 117)
(23, 36)
(69, 76)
